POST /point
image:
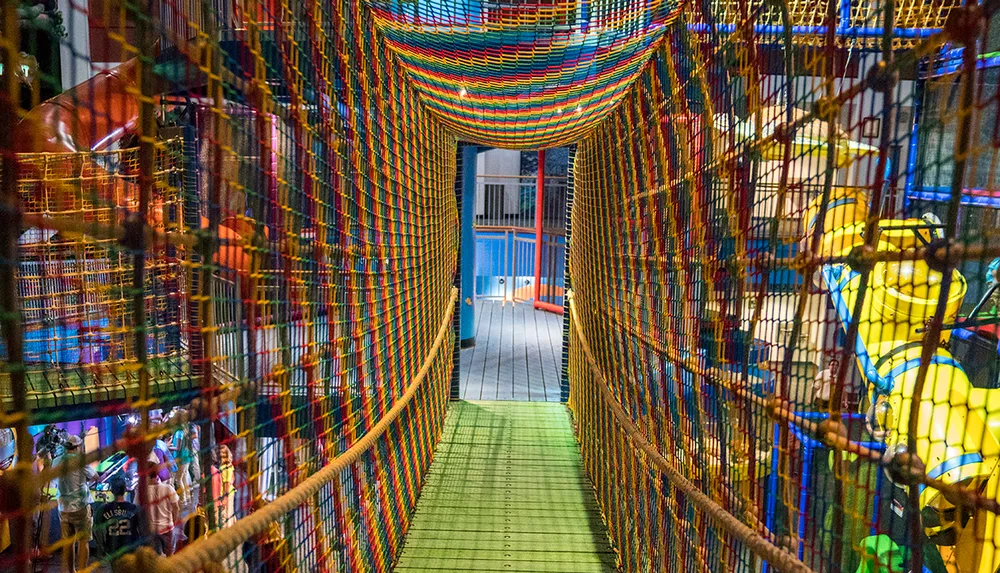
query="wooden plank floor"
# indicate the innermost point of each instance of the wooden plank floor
(507, 492)
(517, 356)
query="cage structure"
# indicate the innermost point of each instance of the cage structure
(313, 251)
(76, 286)
(735, 220)
(799, 211)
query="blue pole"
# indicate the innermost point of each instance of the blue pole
(844, 22)
(772, 498)
(807, 458)
(468, 247)
(911, 154)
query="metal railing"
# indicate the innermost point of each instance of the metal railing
(509, 201)
(506, 237)
(505, 264)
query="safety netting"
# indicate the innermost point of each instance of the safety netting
(228, 239)
(783, 261)
(228, 249)
(530, 74)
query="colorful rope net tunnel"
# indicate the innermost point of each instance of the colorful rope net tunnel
(229, 258)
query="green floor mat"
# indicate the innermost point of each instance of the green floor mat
(507, 492)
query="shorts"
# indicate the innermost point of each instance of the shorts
(78, 524)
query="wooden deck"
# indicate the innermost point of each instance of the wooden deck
(517, 356)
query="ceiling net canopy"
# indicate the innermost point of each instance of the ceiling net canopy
(522, 73)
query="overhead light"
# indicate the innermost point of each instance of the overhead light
(462, 93)
(579, 109)
(559, 110)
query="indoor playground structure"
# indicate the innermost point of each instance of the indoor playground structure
(245, 244)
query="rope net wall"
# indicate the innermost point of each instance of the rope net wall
(226, 269)
(227, 245)
(783, 317)
(530, 74)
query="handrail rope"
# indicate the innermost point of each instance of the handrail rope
(214, 548)
(775, 555)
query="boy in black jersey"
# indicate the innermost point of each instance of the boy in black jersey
(119, 524)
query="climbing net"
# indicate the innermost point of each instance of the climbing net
(228, 244)
(784, 316)
(522, 74)
(226, 283)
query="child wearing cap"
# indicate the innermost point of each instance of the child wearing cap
(75, 516)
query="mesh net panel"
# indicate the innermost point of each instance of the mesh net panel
(781, 267)
(522, 74)
(229, 235)
(227, 256)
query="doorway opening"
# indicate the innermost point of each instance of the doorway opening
(512, 336)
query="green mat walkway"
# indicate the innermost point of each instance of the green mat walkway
(507, 492)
